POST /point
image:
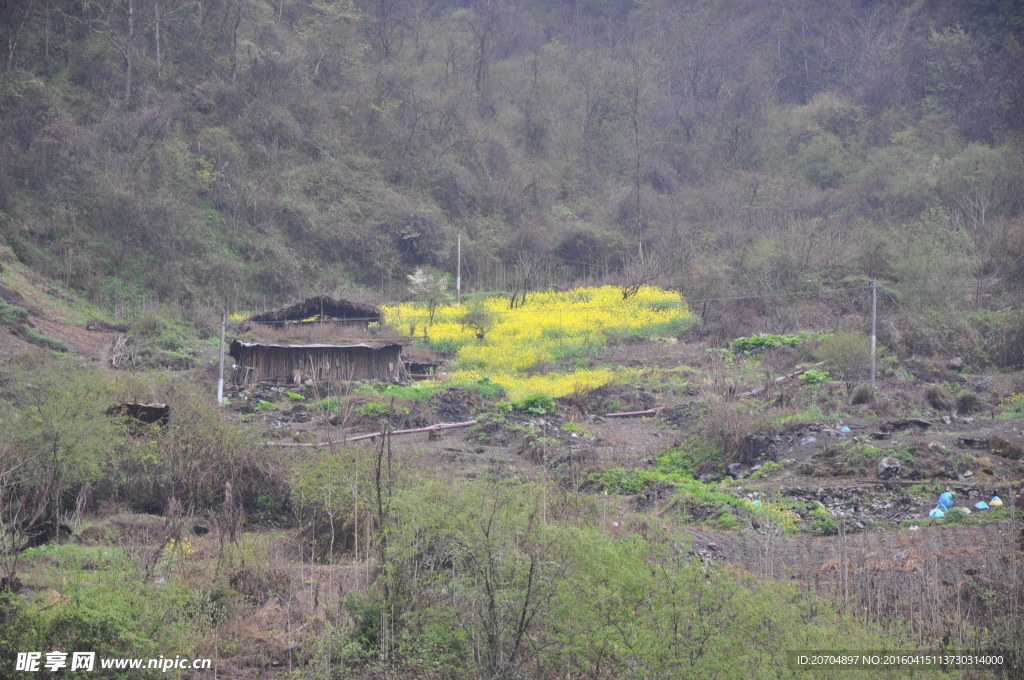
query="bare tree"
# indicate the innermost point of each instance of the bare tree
(22, 507)
(642, 268)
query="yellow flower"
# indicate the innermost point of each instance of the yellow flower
(548, 327)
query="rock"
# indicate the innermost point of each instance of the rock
(758, 447)
(889, 468)
(955, 364)
(808, 440)
(10, 584)
(1005, 448)
(905, 423)
(939, 399)
(968, 403)
(881, 435)
(947, 420)
(861, 395)
(302, 436)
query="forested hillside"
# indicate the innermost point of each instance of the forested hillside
(239, 153)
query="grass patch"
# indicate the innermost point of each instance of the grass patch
(417, 391)
(1013, 407)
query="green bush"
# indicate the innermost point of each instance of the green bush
(847, 353)
(485, 388)
(686, 458)
(538, 405)
(813, 377)
(754, 344)
(956, 515)
(620, 480)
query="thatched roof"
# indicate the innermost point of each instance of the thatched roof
(237, 345)
(321, 307)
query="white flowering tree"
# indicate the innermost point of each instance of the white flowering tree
(431, 288)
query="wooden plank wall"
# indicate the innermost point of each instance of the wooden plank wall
(278, 364)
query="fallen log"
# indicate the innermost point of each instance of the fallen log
(627, 414)
(758, 390)
(906, 482)
(371, 435)
(437, 428)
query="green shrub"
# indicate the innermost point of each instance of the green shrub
(956, 515)
(813, 377)
(485, 388)
(761, 341)
(686, 458)
(847, 353)
(620, 480)
(538, 405)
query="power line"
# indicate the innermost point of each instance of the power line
(688, 301)
(768, 296)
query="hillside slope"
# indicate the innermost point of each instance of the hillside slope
(242, 154)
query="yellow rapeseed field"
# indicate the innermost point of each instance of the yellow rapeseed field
(520, 347)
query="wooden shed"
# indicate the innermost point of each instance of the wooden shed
(296, 363)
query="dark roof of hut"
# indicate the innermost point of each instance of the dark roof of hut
(315, 345)
(327, 307)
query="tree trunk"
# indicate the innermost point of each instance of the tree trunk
(129, 43)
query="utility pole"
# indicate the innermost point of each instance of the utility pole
(220, 381)
(874, 330)
(458, 269)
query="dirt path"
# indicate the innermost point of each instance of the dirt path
(93, 344)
